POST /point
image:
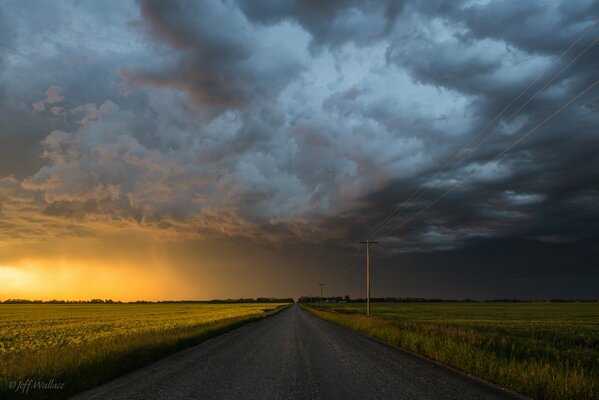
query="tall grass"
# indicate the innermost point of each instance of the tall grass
(83, 365)
(546, 351)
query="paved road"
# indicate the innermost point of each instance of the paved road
(294, 355)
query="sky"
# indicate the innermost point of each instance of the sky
(227, 148)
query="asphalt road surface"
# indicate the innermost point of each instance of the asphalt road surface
(294, 355)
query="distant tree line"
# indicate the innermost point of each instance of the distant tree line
(303, 299)
(318, 299)
(26, 301)
(347, 299)
(110, 301)
(242, 300)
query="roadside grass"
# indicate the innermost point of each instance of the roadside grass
(541, 350)
(82, 365)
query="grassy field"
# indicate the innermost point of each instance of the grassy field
(543, 350)
(78, 346)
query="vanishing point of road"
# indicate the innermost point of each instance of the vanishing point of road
(294, 355)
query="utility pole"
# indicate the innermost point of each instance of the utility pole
(368, 243)
(321, 285)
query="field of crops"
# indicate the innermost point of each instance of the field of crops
(82, 345)
(543, 350)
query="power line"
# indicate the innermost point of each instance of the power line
(422, 190)
(321, 286)
(426, 189)
(442, 169)
(499, 155)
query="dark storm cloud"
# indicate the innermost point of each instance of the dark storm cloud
(51, 73)
(467, 61)
(499, 268)
(6, 35)
(529, 26)
(219, 59)
(330, 22)
(305, 121)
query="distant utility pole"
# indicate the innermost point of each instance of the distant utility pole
(368, 243)
(321, 285)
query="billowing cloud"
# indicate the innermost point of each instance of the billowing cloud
(218, 67)
(300, 122)
(53, 96)
(330, 23)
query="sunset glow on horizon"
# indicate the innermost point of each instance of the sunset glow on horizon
(83, 281)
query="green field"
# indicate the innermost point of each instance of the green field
(83, 345)
(543, 350)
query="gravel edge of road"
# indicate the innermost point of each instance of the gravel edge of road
(447, 367)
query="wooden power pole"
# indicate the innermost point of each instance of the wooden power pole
(321, 285)
(368, 243)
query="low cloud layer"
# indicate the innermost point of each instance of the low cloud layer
(303, 122)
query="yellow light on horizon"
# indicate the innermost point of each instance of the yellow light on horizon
(15, 278)
(77, 280)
